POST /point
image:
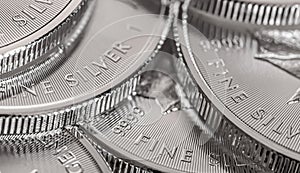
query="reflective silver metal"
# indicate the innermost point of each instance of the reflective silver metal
(156, 129)
(117, 164)
(30, 30)
(61, 151)
(258, 12)
(101, 72)
(12, 83)
(252, 84)
(144, 102)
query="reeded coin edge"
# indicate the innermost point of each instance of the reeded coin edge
(23, 55)
(250, 12)
(227, 131)
(99, 159)
(13, 84)
(219, 36)
(115, 163)
(19, 143)
(29, 124)
(118, 164)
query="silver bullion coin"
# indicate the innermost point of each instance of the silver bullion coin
(153, 130)
(61, 151)
(32, 28)
(254, 84)
(100, 73)
(258, 12)
(24, 77)
(117, 164)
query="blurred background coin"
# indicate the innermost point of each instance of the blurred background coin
(101, 72)
(61, 151)
(253, 83)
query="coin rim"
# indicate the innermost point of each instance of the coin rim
(53, 30)
(249, 13)
(117, 81)
(251, 133)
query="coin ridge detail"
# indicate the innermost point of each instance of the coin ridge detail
(38, 71)
(30, 143)
(250, 12)
(227, 131)
(116, 164)
(14, 124)
(69, 114)
(21, 56)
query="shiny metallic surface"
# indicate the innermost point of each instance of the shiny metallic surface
(31, 29)
(101, 72)
(147, 133)
(287, 2)
(117, 164)
(149, 86)
(61, 151)
(250, 85)
(273, 12)
(26, 77)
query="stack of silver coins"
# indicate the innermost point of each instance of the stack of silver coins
(149, 86)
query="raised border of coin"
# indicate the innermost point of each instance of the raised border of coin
(33, 144)
(84, 109)
(117, 164)
(259, 13)
(277, 161)
(14, 124)
(36, 49)
(133, 136)
(29, 76)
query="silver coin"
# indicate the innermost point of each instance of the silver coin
(117, 164)
(61, 151)
(27, 76)
(31, 29)
(155, 129)
(253, 88)
(102, 71)
(287, 2)
(258, 12)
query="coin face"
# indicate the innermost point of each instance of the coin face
(112, 51)
(155, 129)
(27, 18)
(30, 29)
(26, 75)
(61, 151)
(260, 82)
